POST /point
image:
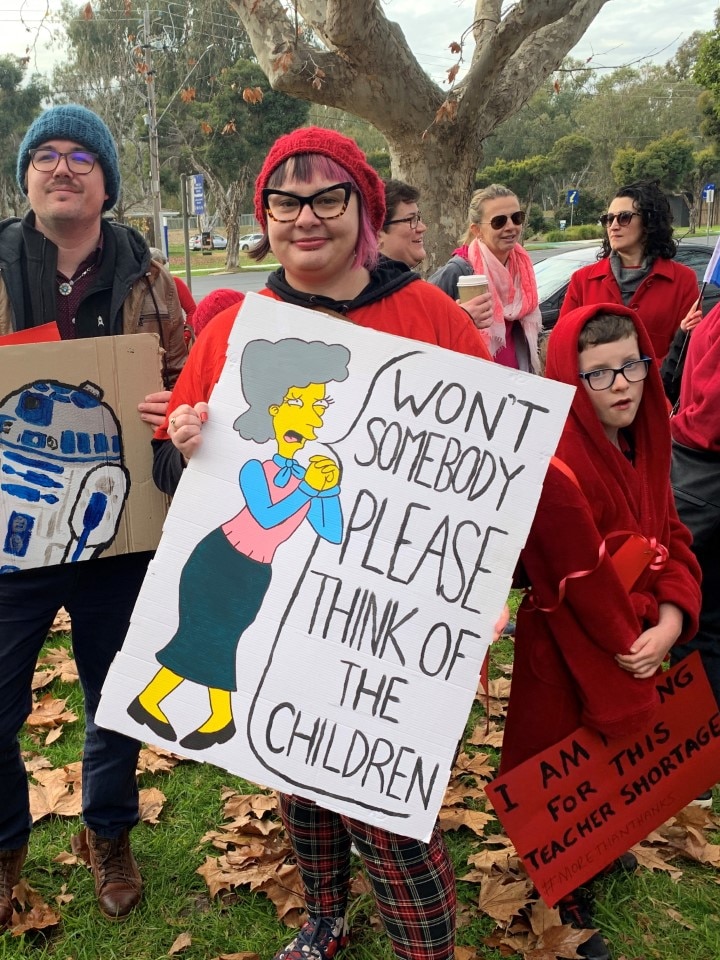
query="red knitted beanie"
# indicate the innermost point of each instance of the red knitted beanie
(213, 304)
(337, 147)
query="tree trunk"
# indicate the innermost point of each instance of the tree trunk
(442, 167)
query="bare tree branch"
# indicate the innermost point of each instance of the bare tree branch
(365, 66)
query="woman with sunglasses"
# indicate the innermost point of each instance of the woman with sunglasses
(321, 207)
(508, 314)
(636, 267)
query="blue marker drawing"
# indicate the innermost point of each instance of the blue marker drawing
(64, 482)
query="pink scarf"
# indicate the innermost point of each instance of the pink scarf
(514, 292)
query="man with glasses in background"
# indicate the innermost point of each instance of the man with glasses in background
(401, 237)
(63, 262)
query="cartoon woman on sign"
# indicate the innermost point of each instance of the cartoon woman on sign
(226, 577)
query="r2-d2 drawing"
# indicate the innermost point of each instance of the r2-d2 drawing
(63, 483)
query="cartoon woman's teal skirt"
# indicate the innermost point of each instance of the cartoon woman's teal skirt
(221, 592)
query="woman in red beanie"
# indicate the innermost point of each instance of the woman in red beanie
(321, 207)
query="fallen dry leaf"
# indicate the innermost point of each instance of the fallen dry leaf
(482, 737)
(478, 765)
(181, 943)
(56, 792)
(152, 802)
(34, 913)
(244, 804)
(451, 818)
(679, 918)
(61, 624)
(54, 735)
(49, 712)
(502, 900)
(37, 762)
(63, 897)
(156, 760)
(61, 660)
(465, 953)
(238, 956)
(458, 793)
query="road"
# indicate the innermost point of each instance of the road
(253, 280)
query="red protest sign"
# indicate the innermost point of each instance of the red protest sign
(582, 802)
(46, 333)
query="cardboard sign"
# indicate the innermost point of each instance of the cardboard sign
(571, 810)
(349, 623)
(75, 458)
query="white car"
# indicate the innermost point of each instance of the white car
(249, 241)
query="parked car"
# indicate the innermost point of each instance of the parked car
(553, 276)
(249, 241)
(218, 242)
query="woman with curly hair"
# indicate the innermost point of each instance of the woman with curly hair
(636, 267)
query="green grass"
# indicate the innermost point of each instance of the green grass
(644, 917)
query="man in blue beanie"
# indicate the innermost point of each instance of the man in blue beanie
(64, 263)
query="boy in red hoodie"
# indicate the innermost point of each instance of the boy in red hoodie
(593, 630)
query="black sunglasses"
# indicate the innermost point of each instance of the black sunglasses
(498, 222)
(624, 218)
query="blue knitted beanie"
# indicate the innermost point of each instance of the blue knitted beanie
(73, 122)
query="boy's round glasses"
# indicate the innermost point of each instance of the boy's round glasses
(326, 204)
(47, 159)
(603, 379)
(413, 220)
(498, 222)
(624, 218)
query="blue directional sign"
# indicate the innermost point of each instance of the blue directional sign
(198, 193)
(708, 193)
(573, 197)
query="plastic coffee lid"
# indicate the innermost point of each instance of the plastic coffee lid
(473, 281)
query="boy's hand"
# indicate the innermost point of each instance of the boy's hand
(652, 646)
(502, 622)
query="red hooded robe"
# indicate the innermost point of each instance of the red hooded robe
(565, 674)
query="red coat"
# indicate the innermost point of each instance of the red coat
(696, 424)
(187, 301)
(564, 673)
(661, 301)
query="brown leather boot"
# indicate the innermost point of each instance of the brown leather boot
(118, 884)
(11, 862)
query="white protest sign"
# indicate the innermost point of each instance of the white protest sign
(350, 624)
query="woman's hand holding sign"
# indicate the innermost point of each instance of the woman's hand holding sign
(185, 426)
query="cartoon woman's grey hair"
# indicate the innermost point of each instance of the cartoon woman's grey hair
(268, 370)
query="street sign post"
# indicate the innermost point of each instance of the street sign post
(708, 196)
(198, 194)
(573, 197)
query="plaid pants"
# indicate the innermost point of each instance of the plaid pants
(413, 882)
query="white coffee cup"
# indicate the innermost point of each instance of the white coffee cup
(472, 286)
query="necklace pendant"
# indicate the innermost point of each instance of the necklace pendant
(65, 289)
